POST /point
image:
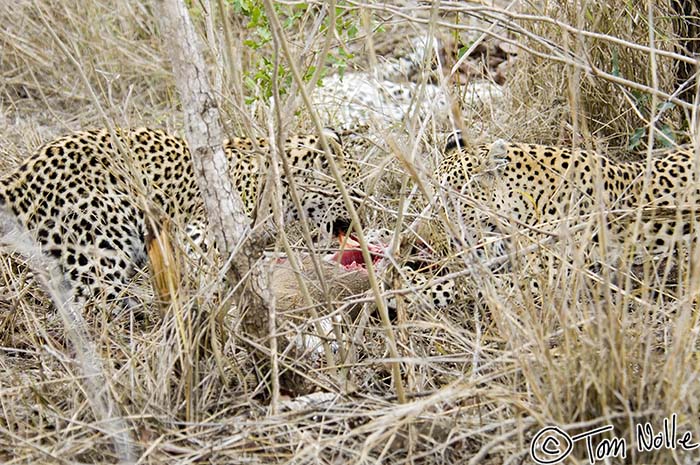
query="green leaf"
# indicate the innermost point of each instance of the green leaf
(251, 44)
(636, 138)
(237, 5)
(309, 73)
(666, 106)
(264, 34)
(255, 16)
(615, 64)
(638, 96)
(670, 139)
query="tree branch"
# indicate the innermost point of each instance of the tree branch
(223, 204)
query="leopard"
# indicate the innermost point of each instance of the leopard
(508, 197)
(538, 189)
(86, 198)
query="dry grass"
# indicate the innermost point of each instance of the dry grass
(591, 349)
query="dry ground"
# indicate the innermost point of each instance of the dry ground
(481, 378)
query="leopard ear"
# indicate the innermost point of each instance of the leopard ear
(333, 138)
(455, 141)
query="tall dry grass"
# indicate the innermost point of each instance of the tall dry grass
(590, 348)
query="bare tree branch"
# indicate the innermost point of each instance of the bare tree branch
(203, 130)
(224, 207)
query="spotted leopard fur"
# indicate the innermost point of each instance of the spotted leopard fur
(508, 196)
(527, 188)
(84, 197)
